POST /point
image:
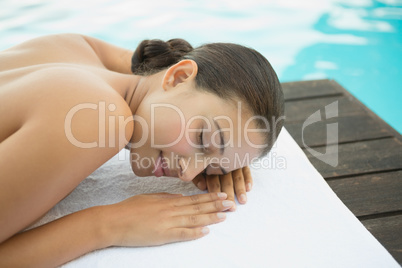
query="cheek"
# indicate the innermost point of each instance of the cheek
(167, 136)
(167, 129)
(182, 147)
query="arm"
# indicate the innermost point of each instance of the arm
(114, 58)
(54, 243)
(143, 220)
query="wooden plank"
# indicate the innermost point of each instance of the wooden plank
(388, 231)
(360, 158)
(309, 89)
(350, 128)
(300, 110)
(306, 90)
(370, 194)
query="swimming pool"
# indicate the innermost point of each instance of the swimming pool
(356, 42)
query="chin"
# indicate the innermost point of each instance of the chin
(140, 172)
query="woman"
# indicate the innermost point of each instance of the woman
(68, 103)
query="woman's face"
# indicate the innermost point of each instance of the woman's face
(180, 131)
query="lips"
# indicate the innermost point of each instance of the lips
(165, 167)
(161, 168)
(158, 170)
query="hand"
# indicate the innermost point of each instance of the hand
(238, 181)
(156, 219)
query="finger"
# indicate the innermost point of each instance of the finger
(239, 186)
(169, 195)
(227, 187)
(186, 234)
(164, 195)
(199, 220)
(199, 198)
(248, 180)
(204, 208)
(213, 183)
(199, 181)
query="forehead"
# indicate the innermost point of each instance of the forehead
(234, 118)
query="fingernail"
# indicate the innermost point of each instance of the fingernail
(243, 198)
(248, 186)
(221, 215)
(227, 203)
(205, 230)
(199, 185)
(222, 195)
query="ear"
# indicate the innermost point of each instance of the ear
(183, 71)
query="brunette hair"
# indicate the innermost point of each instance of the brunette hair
(228, 70)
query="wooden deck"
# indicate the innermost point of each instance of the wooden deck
(368, 177)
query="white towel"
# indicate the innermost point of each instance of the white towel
(292, 219)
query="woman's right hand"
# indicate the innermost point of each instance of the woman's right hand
(156, 219)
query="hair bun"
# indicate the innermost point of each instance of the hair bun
(155, 55)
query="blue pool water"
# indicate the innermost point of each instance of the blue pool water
(356, 42)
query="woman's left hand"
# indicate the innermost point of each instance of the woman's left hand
(237, 182)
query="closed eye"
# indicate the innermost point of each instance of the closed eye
(201, 141)
(200, 138)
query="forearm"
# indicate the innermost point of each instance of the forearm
(141, 220)
(56, 242)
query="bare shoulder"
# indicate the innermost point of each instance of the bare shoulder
(81, 97)
(70, 128)
(74, 108)
(66, 48)
(73, 104)
(58, 41)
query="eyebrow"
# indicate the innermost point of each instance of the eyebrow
(222, 147)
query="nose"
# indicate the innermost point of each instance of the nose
(191, 168)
